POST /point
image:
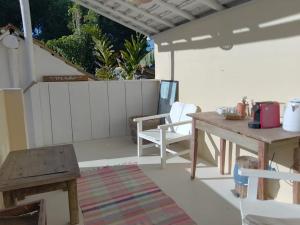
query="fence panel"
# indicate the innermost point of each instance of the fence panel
(60, 113)
(99, 109)
(80, 111)
(66, 112)
(117, 108)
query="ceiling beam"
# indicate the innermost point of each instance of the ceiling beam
(124, 16)
(144, 13)
(109, 16)
(174, 9)
(214, 4)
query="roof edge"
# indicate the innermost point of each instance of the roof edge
(10, 27)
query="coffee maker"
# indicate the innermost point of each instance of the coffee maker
(265, 115)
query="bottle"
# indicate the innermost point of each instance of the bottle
(241, 108)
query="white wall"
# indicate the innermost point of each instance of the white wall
(46, 64)
(263, 63)
(4, 73)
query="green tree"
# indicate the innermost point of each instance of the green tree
(135, 51)
(106, 58)
(115, 31)
(76, 16)
(78, 48)
(67, 28)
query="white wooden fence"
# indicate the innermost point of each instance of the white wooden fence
(65, 112)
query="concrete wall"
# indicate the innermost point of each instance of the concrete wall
(12, 65)
(250, 50)
(12, 124)
(15, 117)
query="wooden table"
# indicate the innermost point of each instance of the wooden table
(258, 140)
(40, 170)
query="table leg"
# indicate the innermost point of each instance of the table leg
(73, 202)
(296, 185)
(238, 151)
(194, 148)
(263, 161)
(8, 199)
(222, 155)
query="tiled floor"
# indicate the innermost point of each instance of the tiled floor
(207, 199)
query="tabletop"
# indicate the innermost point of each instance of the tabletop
(38, 166)
(241, 127)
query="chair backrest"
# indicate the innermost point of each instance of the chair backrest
(178, 114)
(254, 175)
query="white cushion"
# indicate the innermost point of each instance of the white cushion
(262, 220)
(269, 210)
(176, 111)
(178, 114)
(186, 129)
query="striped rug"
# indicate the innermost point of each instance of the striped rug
(124, 195)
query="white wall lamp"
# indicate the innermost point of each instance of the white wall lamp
(9, 40)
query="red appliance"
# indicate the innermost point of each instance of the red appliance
(265, 115)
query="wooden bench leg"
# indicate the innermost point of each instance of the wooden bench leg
(8, 199)
(73, 202)
(222, 155)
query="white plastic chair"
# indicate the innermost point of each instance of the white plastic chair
(177, 128)
(267, 210)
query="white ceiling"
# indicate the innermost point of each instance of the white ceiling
(157, 15)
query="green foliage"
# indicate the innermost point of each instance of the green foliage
(76, 15)
(104, 51)
(106, 57)
(77, 48)
(69, 30)
(91, 18)
(135, 51)
(148, 60)
(115, 31)
(105, 73)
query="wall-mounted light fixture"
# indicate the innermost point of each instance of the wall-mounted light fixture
(9, 40)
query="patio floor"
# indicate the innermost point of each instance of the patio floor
(207, 199)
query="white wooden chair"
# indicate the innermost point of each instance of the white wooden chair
(177, 128)
(254, 211)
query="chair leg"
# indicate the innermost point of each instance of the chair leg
(139, 140)
(140, 146)
(163, 156)
(163, 151)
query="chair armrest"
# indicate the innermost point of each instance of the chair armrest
(150, 117)
(167, 126)
(269, 174)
